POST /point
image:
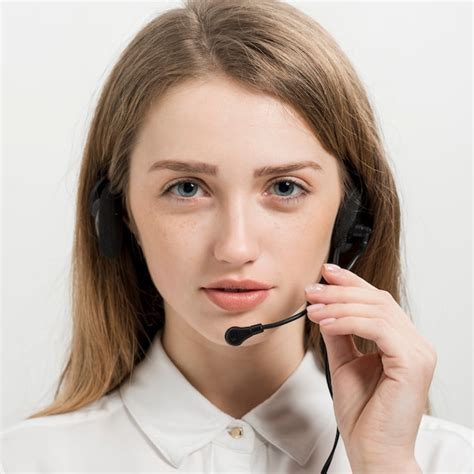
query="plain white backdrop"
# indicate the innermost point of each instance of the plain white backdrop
(415, 59)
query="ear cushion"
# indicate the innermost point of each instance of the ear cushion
(354, 219)
(110, 224)
(106, 209)
(94, 195)
(346, 220)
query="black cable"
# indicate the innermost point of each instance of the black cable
(326, 364)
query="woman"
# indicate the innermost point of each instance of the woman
(211, 112)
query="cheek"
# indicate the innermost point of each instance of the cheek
(310, 241)
(171, 251)
(307, 232)
(304, 246)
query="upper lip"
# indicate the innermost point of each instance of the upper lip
(239, 284)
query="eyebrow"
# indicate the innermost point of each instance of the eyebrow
(206, 168)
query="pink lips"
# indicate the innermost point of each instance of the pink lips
(242, 301)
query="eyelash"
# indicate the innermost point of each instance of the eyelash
(286, 200)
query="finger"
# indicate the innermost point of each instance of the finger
(345, 294)
(340, 350)
(375, 329)
(339, 310)
(342, 276)
(341, 347)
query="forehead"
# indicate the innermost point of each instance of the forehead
(221, 119)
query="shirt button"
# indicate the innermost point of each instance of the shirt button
(236, 432)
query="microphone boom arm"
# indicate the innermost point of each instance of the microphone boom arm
(236, 334)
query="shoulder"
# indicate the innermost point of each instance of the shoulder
(29, 444)
(443, 445)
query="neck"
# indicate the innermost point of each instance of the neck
(234, 378)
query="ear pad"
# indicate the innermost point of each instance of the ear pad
(106, 208)
(345, 221)
(353, 221)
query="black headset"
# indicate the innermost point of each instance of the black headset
(352, 227)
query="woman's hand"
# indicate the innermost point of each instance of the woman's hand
(379, 399)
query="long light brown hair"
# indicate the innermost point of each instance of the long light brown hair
(272, 48)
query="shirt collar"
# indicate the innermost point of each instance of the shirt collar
(178, 419)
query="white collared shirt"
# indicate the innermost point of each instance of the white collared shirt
(158, 422)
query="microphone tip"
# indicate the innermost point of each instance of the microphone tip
(232, 336)
(236, 335)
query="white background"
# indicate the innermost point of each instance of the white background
(415, 59)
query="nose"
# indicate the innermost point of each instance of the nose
(238, 233)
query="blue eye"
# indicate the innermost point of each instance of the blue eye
(186, 186)
(190, 186)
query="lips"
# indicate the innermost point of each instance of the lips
(236, 301)
(238, 283)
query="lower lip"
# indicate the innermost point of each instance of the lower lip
(241, 301)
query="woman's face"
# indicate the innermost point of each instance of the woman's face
(231, 223)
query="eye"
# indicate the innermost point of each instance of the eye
(189, 186)
(186, 185)
(288, 184)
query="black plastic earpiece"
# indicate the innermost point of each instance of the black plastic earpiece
(106, 209)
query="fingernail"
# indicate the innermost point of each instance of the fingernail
(313, 287)
(323, 322)
(332, 267)
(314, 308)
